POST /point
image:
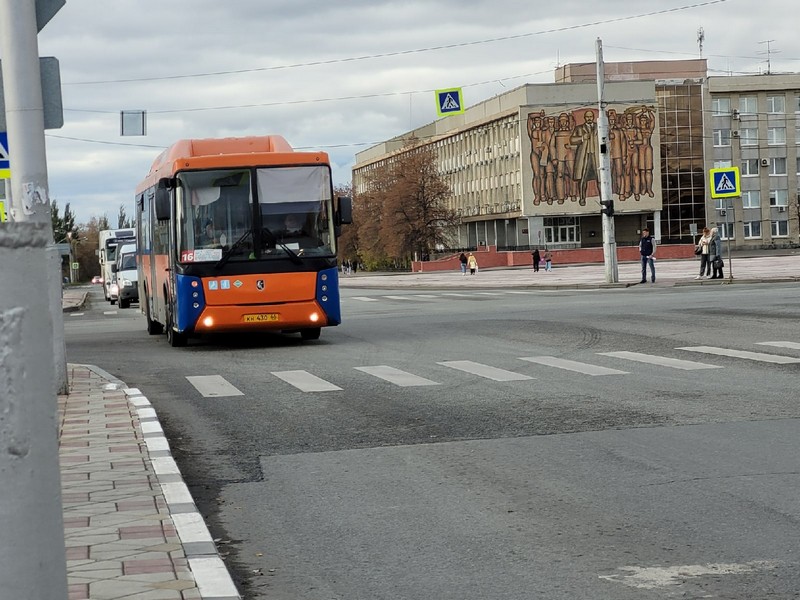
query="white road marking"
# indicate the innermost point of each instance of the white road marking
(794, 345)
(110, 312)
(649, 578)
(489, 294)
(363, 298)
(213, 386)
(518, 292)
(427, 296)
(456, 294)
(305, 381)
(484, 370)
(759, 356)
(399, 297)
(396, 376)
(662, 361)
(571, 365)
(77, 314)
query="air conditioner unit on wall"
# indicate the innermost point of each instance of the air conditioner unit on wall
(781, 209)
(735, 133)
(764, 162)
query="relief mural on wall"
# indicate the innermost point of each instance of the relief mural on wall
(565, 161)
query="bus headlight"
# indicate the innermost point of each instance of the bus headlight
(208, 322)
(314, 317)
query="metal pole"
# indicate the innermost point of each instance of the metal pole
(728, 244)
(609, 236)
(32, 554)
(22, 92)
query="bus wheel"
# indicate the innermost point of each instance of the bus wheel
(153, 327)
(175, 339)
(310, 334)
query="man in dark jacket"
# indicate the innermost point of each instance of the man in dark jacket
(647, 248)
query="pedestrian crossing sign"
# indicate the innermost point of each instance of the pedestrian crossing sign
(725, 182)
(5, 164)
(449, 102)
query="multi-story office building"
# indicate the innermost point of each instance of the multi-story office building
(753, 124)
(523, 166)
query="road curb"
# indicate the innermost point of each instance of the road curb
(211, 575)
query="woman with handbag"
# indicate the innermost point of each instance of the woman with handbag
(715, 251)
(705, 263)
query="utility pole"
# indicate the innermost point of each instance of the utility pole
(606, 195)
(29, 195)
(32, 557)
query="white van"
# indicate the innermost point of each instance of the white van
(127, 275)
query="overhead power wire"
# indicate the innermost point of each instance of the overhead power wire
(407, 52)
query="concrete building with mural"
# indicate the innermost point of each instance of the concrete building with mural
(523, 166)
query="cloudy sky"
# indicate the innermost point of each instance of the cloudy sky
(341, 75)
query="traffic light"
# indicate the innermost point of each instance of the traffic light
(608, 208)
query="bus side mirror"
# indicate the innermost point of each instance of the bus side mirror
(344, 215)
(162, 200)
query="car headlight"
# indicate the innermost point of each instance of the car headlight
(127, 283)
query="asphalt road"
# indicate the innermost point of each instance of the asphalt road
(494, 444)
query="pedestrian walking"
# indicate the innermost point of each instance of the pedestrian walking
(548, 260)
(536, 259)
(472, 262)
(705, 254)
(715, 252)
(462, 258)
(647, 248)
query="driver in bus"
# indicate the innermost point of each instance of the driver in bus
(208, 238)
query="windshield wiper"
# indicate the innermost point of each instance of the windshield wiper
(227, 256)
(294, 257)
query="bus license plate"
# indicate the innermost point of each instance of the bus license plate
(261, 318)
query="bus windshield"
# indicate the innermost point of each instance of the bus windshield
(215, 211)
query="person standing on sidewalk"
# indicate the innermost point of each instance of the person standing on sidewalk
(537, 258)
(548, 260)
(715, 254)
(705, 254)
(462, 258)
(473, 264)
(647, 248)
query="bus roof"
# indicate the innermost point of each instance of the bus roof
(213, 153)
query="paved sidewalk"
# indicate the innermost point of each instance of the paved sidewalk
(131, 527)
(668, 273)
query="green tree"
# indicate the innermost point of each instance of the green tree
(62, 224)
(122, 218)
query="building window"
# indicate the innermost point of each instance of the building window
(750, 167)
(776, 104)
(752, 229)
(723, 230)
(776, 136)
(719, 203)
(748, 105)
(748, 136)
(722, 137)
(721, 107)
(780, 229)
(798, 165)
(777, 166)
(751, 199)
(778, 197)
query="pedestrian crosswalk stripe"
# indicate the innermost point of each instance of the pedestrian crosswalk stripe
(663, 361)
(399, 297)
(305, 381)
(213, 386)
(759, 356)
(571, 365)
(110, 312)
(426, 296)
(484, 370)
(489, 294)
(457, 295)
(793, 345)
(518, 292)
(364, 298)
(396, 376)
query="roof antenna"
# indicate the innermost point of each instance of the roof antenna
(701, 37)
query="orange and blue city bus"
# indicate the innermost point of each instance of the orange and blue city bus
(238, 235)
